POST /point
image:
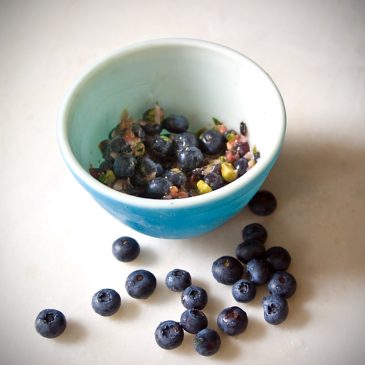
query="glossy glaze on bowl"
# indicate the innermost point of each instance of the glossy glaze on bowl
(195, 78)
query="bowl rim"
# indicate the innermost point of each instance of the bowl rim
(148, 203)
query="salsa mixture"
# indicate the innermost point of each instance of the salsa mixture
(158, 157)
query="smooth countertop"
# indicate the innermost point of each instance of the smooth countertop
(55, 241)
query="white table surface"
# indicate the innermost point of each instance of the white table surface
(56, 241)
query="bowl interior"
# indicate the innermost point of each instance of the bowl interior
(197, 79)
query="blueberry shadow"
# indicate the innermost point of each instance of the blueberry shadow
(147, 257)
(128, 311)
(255, 331)
(161, 294)
(74, 332)
(230, 349)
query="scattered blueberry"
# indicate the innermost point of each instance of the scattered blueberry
(157, 188)
(169, 335)
(227, 270)
(194, 297)
(124, 166)
(176, 176)
(140, 284)
(282, 283)
(258, 271)
(207, 342)
(106, 302)
(250, 249)
(232, 321)
(255, 231)
(212, 142)
(176, 123)
(50, 323)
(244, 291)
(161, 146)
(189, 158)
(146, 167)
(119, 145)
(193, 320)
(178, 280)
(186, 139)
(278, 258)
(263, 203)
(276, 308)
(125, 249)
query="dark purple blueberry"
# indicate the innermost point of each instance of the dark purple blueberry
(278, 258)
(169, 335)
(106, 165)
(276, 308)
(250, 249)
(207, 342)
(258, 271)
(178, 280)
(138, 131)
(186, 139)
(119, 145)
(244, 291)
(50, 323)
(159, 170)
(214, 180)
(106, 302)
(255, 231)
(263, 203)
(151, 128)
(243, 128)
(212, 142)
(125, 249)
(146, 167)
(190, 158)
(282, 283)
(227, 270)
(194, 297)
(176, 123)
(241, 166)
(232, 321)
(157, 188)
(124, 166)
(242, 148)
(161, 146)
(140, 284)
(193, 320)
(177, 177)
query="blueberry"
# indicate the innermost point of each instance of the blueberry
(138, 131)
(232, 321)
(151, 128)
(244, 291)
(176, 123)
(124, 166)
(254, 231)
(241, 166)
(250, 249)
(227, 270)
(276, 308)
(106, 302)
(194, 297)
(125, 249)
(177, 177)
(189, 158)
(193, 320)
(169, 335)
(161, 146)
(278, 258)
(159, 169)
(258, 271)
(207, 342)
(214, 180)
(146, 167)
(178, 280)
(212, 142)
(186, 139)
(282, 283)
(106, 165)
(140, 284)
(157, 188)
(50, 323)
(263, 203)
(119, 145)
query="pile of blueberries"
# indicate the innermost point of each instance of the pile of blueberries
(252, 265)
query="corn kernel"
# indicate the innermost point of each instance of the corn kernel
(203, 187)
(229, 174)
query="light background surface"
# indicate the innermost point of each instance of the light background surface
(55, 242)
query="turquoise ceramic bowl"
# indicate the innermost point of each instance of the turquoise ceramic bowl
(195, 78)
